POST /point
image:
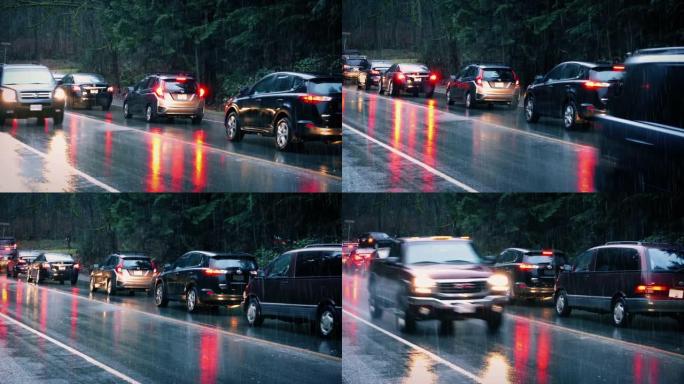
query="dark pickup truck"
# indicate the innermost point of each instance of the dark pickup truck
(439, 277)
(642, 136)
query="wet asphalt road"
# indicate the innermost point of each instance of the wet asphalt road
(101, 151)
(149, 345)
(532, 346)
(424, 145)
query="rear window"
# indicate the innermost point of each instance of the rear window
(414, 68)
(227, 262)
(141, 263)
(88, 78)
(180, 86)
(666, 260)
(56, 257)
(324, 86)
(27, 75)
(537, 259)
(498, 74)
(605, 74)
(355, 62)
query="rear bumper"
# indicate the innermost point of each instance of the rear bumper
(589, 111)
(309, 130)
(432, 308)
(220, 298)
(497, 97)
(98, 99)
(643, 305)
(135, 285)
(534, 291)
(61, 275)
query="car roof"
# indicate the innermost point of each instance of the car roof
(56, 254)
(321, 248)
(323, 245)
(635, 244)
(224, 254)
(418, 239)
(659, 51)
(24, 66)
(8, 238)
(491, 65)
(86, 73)
(417, 64)
(130, 254)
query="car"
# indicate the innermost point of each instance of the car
(292, 107)
(347, 248)
(166, 95)
(484, 84)
(58, 76)
(370, 75)
(370, 245)
(299, 285)
(437, 277)
(87, 90)
(352, 65)
(410, 78)
(532, 273)
(123, 271)
(19, 264)
(642, 136)
(205, 279)
(574, 91)
(53, 266)
(28, 90)
(8, 250)
(624, 278)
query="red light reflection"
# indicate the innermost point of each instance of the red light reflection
(429, 148)
(200, 177)
(209, 356)
(108, 152)
(586, 169)
(154, 180)
(521, 349)
(177, 167)
(73, 147)
(543, 355)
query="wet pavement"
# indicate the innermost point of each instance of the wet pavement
(532, 346)
(98, 150)
(131, 336)
(424, 145)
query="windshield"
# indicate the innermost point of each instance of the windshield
(666, 260)
(88, 78)
(58, 257)
(324, 87)
(498, 74)
(180, 86)
(139, 263)
(225, 262)
(441, 252)
(27, 76)
(414, 68)
(355, 62)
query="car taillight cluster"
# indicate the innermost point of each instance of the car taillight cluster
(400, 76)
(77, 266)
(651, 289)
(118, 268)
(433, 77)
(110, 89)
(515, 77)
(45, 265)
(314, 99)
(201, 91)
(214, 272)
(526, 266)
(375, 72)
(595, 84)
(159, 90)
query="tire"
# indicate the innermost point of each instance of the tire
(531, 115)
(74, 280)
(367, 85)
(415, 94)
(570, 118)
(283, 134)
(449, 100)
(380, 90)
(161, 299)
(468, 100)
(406, 322)
(126, 111)
(514, 103)
(197, 120)
(620, 316)
(28, 277)
(110, 288)
(325, 322)
(253, 313)
(150, 114)
(58, 118)
(192, 300)
(375, 310)
(561, 304)
(391, 91)
(232, 125)
(446, 326)
(494, 320)
(92, 285)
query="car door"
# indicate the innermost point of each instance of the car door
(277, 284)
(388, 75)
(173, 283)
(97, 271)
(189, 272)
(545, 93)
(36, 265)
(306, 289)
(67, 82)
(561, 88)
(580, 278)
(250, 106)
(134, 98)
(273, 100)
(617, 270)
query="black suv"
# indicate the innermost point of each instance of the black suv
(299, 285)
(484, 83)
(532, 273)
(292, 107)
(166, 95)
(53, 266)
(87, 90)
(28, 90)
(574, 91)
(410, 78)
(437, 277)
(205, 279)
(624, 278)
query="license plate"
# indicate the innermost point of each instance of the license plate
(137, 273)
(36, 107)
(677, 293)
(94, 91)
(498, 85)
(464, 308)
(238, 278)
(182, 97)
(62, 268)
(417, 80)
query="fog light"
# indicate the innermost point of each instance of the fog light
(424, 311)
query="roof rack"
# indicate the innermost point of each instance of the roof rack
(623, 242)
(643, 243)
(316, 245)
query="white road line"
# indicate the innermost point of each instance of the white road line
(431, 355)
(415, 161)
(82, 355)
(84, 175)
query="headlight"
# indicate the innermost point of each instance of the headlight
(59, 94)
(423, 284)
(498, 282)
(8, 95)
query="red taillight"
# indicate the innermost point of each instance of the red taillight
(314, 99)
(358, 257)
(110, 89)
(526, 266)
(618, 67)
(515, 76)
(154, 270)
(400, 76)
(595, 84)
(22, 261)
(181, 79)
(201, 91)
(478, 79)
(547, 253)
(8, 248)
(159, 90)
(45, 265)
(77, 266)
(651, 288)
(433, 77)
(118, 268)
(374, 72)
(75, 88)
(214, 272)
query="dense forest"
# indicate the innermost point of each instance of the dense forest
(228, 43)
(166, 225)
(530, 35)
(569, 222)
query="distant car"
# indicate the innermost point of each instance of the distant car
(352, 65)
(438, 277)
(484, 84)
(532, 273)
(574, 91)
(8, 250)
(409, 78)
(207, 279)
(292, 107)
(53, 266)
(623, 279)
(166, 95)
(58, 76)
(371, 74)
(123, 271)
(299, 285)
(28, 90)
(19, 264)
(347, 250)
(87, 90)
(370, 245)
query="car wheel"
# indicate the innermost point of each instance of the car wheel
(161, 299)
(562, 307)
(390, 89)
(415, 94)
(531, 115)
(326, 321)
(380, 90)
(150, 115)
(253, 313)
(197, 120)
(570, 116)
(283, 139)
(494, 320)
(406, 322)
(620, 315)
(2, 121)
(468, 100)
(514, 103)
(446, 326)
(110, 288)
(126, 111)
(28, 276)
(367, 86)
(191, 301)
(92, 285)
(232, 124)
(449, 100)
(58, 118)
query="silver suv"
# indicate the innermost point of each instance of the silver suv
(166, 95)
(130, 271)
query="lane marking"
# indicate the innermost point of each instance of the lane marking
(431, 355)
(415, 161)
(84, 175)
(212, 148)
(76, 352)
(202, 326)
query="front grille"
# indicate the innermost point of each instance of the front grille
(35, 95)
(461, 287)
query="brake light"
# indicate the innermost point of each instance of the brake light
(77, 266)
(160, 90)
(478, 79)
(201, 91)
(110, 89)
(22, 261)
(400, 76)
(181, 79)
(526, 266)
(547, 253)
(374, 72)
(75, 88)
(618, 67)
(214, 272)
(595, 84)
(154, 270)
(651, 288)
(314, 99)
(8, 248)
(45, 265)
(515, 76)
(118, 268)
(433, 77)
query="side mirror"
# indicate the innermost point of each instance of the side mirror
(167, 267)
(60, 82)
